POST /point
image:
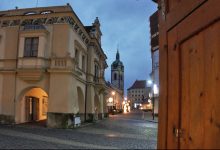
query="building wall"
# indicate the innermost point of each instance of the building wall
(56, 69)
(155, 56)
(137, 95)
(155, 67)
(118, 97)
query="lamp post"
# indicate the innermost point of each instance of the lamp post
(113, 94)
(110, 100)
(154, 91)
(124, 105)
(153, 103)
(113, 104)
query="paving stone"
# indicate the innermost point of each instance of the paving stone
(123, 131)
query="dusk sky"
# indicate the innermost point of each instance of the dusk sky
(123, 22)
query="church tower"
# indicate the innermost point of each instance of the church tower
(117, 73)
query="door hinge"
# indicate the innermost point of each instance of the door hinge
(178, 132)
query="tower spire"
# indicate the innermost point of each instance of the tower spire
(117, 55)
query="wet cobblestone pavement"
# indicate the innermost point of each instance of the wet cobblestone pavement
(125, 131)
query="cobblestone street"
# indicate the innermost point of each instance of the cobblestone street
(124, 131)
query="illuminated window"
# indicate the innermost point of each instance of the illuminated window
(30, 13)
(46, 12)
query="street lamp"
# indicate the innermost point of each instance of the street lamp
(113, 94)
(150, 82)
(110, 100)
(155, 92)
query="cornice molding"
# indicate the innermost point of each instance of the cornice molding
(47, 20)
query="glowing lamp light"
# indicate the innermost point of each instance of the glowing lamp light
(110, 99)
(155, 88)
(149, 82)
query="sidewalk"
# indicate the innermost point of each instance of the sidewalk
(149, 117)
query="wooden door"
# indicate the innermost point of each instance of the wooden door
(193, 90)
(189, 75)
(173, 90)
(193, 84)
(31, 108)
(27, 108)
(35, 102)
(200, 98)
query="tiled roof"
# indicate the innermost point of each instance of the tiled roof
(138, 84)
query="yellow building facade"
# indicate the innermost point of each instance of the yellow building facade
(51, 67)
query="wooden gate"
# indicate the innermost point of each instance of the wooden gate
(189, 106)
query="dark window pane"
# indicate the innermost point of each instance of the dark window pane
(31, 47)
(115, 76)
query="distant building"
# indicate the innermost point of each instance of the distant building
(116, 96)
(155, 56)
(117, 73)
(116, 88)
(137, 93)
(52, 67)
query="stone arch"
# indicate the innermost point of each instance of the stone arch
(22, 92)
(32, 105)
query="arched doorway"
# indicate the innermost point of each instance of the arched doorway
(81, 103)
(34, 105)
(96, 107)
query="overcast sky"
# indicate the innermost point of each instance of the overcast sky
(123, 22)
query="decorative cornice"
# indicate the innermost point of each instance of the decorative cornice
(48, 21)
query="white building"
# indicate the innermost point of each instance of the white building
(155, 58)
(137, 93)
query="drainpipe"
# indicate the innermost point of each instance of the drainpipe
(86, 84)
(15, 90)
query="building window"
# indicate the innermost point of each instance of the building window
(77, 57)
(46, 12)
(31, 47)
(30, 13)
(83, 63)
(96, 76)
(115, 76)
